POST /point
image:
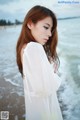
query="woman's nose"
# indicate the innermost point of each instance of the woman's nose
(49, 33)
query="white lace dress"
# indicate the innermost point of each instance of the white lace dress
(40, 85)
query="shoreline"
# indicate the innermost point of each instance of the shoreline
(11, 26)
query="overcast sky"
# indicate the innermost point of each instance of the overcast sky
(17, 9)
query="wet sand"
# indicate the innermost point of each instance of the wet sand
(10, 101)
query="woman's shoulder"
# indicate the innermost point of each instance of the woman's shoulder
(33, 45)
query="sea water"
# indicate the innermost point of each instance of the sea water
(69, 54)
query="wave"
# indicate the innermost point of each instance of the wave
(66, 18)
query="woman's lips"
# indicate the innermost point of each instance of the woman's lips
(46, 39)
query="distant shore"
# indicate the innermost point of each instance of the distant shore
(6, 26)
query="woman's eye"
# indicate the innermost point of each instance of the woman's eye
(45, 27)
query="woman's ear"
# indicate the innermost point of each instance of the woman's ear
(30, 25)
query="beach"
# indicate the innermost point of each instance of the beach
(11, 101)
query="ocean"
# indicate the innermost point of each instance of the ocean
(69, 54)
(69, 49)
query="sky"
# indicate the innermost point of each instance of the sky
(17, 9)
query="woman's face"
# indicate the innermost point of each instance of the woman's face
(41, 31)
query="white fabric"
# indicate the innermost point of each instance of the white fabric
(40, 85)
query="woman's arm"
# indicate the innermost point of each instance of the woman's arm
(38, 70)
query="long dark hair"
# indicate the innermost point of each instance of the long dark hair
(36, 14)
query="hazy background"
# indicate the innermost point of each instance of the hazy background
(16, 9)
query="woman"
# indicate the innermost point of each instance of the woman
(36, 49)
